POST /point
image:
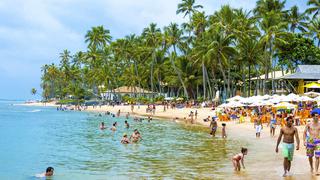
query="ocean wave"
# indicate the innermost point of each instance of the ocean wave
(35, 110)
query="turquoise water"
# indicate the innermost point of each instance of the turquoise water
(33, 138)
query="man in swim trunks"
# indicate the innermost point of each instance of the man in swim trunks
(289, 133)
(135, 136)
(213, 126)
(258, 126)
(312, 143)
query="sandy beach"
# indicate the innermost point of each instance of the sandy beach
(261, 158)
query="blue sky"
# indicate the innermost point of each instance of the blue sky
(34, 32)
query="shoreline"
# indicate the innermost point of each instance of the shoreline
(262, 147)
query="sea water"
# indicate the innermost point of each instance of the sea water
(33, 138)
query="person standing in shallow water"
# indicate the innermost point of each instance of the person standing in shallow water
(288, 133)
(258, 126)
(224, 133)
(311, 140)
(213, 126)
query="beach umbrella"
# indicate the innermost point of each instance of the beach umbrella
(266, 97)
(305, 98)
(315, 111)
(313, 85)
(235, 98)
(285, 105)
(312, 94)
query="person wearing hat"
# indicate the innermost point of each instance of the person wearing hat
(125, 139)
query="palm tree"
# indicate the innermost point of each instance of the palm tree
(173, 37)
(33, 91)
(220, 51)
(314, 30)
(296, 19)
(188, 7)
(152, 36)
(314, 9)
(98, 37)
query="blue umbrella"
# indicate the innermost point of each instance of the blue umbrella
(315, 111)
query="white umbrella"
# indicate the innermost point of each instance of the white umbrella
(235, 98)
(312, 94)
(285, 105)
(305, 98)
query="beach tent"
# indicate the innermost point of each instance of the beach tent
(313, 85)
(285, 105)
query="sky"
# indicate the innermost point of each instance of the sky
(34, 32)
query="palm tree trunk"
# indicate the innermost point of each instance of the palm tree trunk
(178, 72)
(249, 85)
(223, 75)
(204, 81)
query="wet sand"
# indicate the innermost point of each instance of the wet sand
(262, 161)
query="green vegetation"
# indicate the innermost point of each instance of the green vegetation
(209, 52)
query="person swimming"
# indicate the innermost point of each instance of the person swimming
(48, 173)
(126, 124)
(239, 158)
(136, 136)
(102, 127)
(114, 128)
(125, 139)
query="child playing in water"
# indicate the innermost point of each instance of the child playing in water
(224, 134)
(239, 157)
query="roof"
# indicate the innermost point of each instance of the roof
(310, 72)
(131, 89)
(277, 74)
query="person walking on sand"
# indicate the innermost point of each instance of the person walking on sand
(288, 132)
(258, 126)
(239, 158)
(132, 107)
(196, 115)
(311, 140)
